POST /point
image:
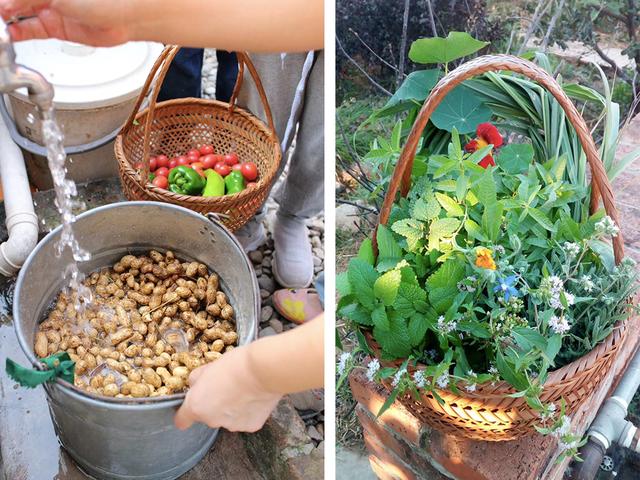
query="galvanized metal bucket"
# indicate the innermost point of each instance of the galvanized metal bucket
(120, 439)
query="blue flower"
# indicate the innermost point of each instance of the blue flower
(506, 286)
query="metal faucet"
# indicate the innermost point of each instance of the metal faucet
(14, 76)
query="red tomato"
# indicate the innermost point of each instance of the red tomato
(249, 171)
(182, 160)
(162, 172)
(162, 161)
(192, 158)
(222, 168)
(194, 151)
(138, 166)
(161, 181)
(208, 161)
(173, 163)
(153, 163)
(231, 159)
(197, 166)
(237, 166)
(206, 149)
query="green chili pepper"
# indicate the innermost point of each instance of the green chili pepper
(186, 181)
(215, 184)
(152, 176)
(234, 182)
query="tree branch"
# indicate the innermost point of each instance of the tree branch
(618, 71)
(403, 43)
(539, 12)
(552, 25)
(431, 18)
(357, 35)
(361, 69)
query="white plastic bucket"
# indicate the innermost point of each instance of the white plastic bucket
(95, 90)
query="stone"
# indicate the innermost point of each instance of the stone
(266, 332)
(347, 217)
(266, 283)
(318, 224)
(318, 252)
(266, 313)
(314, 434)
(316, 242)
(320, 448)
(266, 262)
(276, 325)
(317, 262)
(320, 428)
(264, 294)
(308, 400)
(256, 256)
(210, 90)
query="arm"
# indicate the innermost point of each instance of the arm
(239, 391)
(253, 25)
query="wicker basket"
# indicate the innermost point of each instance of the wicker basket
(176, 126)
(489, 413)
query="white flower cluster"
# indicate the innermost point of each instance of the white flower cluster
(559, 324)
(587, 284)
(471, 387)
(446, 327)
(372, 369)
(549, 412)
(418, 379)
(555, 287)
(493, 370)
(398, 376)
(571, 249)
(468, 284)
(564, 428)
(443, 380)
(342, 365)
(607, 226)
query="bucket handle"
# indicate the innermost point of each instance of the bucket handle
(38, 149)
(161, 67)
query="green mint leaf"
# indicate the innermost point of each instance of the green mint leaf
(386, 287)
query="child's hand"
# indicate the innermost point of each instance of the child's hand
(227, 394)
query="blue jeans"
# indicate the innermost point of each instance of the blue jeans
(184, 77)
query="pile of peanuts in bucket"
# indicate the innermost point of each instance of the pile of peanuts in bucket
(153, 319)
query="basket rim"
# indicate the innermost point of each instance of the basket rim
(502, 388)
(264, 182)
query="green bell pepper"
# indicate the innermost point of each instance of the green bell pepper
(234, 182)
(215, 184)
(186, 181)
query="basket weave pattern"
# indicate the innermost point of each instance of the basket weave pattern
(175, 126)
(488, 413)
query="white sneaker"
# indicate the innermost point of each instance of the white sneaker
(252, 235)
(292, 259)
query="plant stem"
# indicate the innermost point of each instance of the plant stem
(403, 43)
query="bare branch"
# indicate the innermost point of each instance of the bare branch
(608, 13)
(403, 43)
(618, 71)
(431, 18)
(539, 12)
(357, 35)
(361, 69)
(357, 205)
(552, 25)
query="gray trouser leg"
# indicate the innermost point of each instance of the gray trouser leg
(302, 192)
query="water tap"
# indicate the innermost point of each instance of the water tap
(14, 76)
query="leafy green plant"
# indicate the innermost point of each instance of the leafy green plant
(484, 274)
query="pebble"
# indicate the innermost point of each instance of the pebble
(266, 262)
(314, 434)
(266, 313)
(316, 242)
(266, 283)
(259, 271)
(264, 294)
(308, 400)
(320, 448)
(256, 256)
(320, 428)
(276, 325)
(317, 262)
(209, 90)
(318, 252)
(266, 332)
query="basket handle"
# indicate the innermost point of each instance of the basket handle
(161, 67)
(401, 178)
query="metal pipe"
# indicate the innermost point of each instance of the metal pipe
(611, 425)
(14, 76)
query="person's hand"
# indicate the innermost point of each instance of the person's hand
(92, 22)
(227, 394)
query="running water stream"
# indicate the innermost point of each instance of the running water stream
(65, 190)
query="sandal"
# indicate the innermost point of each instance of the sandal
(297, 305)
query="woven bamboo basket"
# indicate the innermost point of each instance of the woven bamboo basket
(175, 126)
(489, 413)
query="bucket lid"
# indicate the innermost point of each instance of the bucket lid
(85, 76)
